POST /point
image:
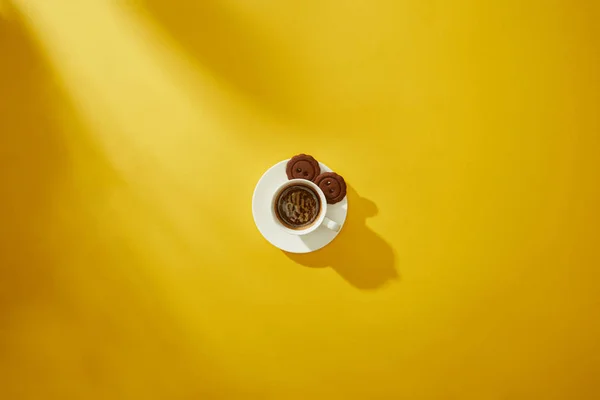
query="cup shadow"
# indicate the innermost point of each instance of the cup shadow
(359, 255)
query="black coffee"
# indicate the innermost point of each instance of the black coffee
(297, 206)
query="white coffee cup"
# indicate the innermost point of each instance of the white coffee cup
(321, 218)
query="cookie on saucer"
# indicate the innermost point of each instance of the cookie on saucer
(333, 186)
(303, 166)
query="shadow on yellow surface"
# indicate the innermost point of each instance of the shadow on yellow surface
(343, 76)
(81, 313)
(32, 162)
(235, 49)
(358, 254)
(129, 286)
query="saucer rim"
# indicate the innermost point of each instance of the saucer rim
(295, 248)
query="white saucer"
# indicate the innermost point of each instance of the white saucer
(261, 210)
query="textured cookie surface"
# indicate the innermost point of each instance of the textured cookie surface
(332, 185)
(303, 166)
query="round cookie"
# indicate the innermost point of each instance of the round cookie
(332, 185)
(303, 166)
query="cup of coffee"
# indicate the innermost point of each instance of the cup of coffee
(299, 207)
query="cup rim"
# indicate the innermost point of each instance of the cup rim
(323, 209)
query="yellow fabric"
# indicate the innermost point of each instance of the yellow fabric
(132, 134)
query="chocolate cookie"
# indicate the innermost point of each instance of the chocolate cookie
(332, 185)
(303, 166)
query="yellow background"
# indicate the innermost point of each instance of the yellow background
(132, 134)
